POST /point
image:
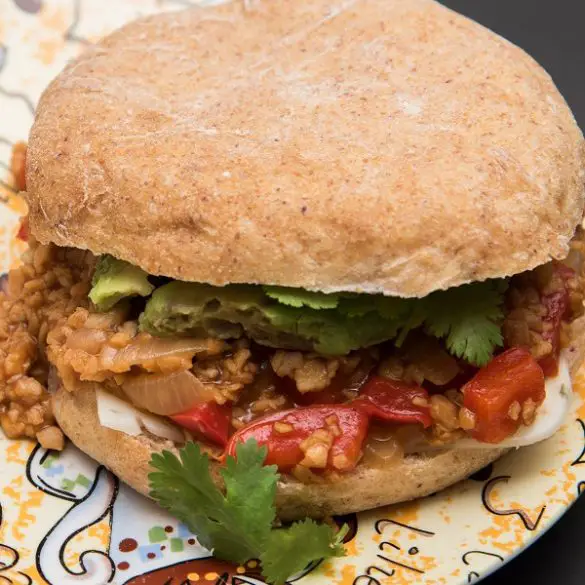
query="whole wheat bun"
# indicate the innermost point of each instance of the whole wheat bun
(374, 146)
(364, 488)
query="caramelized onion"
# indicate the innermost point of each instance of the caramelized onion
(143, 350)
(412, 438)
(167, 394)
(88, 340)
(431, 360)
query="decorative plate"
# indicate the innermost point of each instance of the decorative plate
(65, 520)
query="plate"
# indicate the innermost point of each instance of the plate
(65, 520)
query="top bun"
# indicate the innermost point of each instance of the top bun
(374, 146)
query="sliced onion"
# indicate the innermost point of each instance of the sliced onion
(88, 340)
(161, 428)
(143, 349)
(382, 447)
(119, 415)
(167, 393)
(116, 414)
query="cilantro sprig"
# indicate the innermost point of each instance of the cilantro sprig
(238, 525)
(467, 317)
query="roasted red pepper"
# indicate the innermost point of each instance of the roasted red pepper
(209, 420)
(394, 401)
(498, 394)
(284, 432)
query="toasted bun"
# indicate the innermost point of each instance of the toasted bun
(375, 146)
(366, 487)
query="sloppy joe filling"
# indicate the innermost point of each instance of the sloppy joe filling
(314, 409)
(319, 406)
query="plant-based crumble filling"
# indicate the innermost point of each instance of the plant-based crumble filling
(51, 284)
(380, 398)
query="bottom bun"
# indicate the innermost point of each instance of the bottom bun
(362, 489)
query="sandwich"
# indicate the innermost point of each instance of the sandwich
(344, 235)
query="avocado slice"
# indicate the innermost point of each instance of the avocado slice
(114, 280)
(194, 309)
(182, 308)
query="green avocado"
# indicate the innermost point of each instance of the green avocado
(181, 308)
(114, 280)
(468, 317)
(199, 309)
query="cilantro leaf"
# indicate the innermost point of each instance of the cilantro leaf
(299, 297)
(186, 489)
(289, 550)
(469, 319)
(250, 491)
(414, 321)
(179, 483)
(237, 526)
(391, 308)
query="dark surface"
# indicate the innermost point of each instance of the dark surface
(557, 558)
(553, 32)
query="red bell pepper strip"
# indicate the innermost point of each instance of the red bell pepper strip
(392, 401)
(512, 376)
(209, 420)
(283, 432)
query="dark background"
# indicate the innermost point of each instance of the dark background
(553, 32)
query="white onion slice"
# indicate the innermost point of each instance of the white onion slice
(116, 414)
(167, 394)
(119, 415)
(161, 428)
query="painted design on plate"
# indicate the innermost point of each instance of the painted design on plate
(65, 520)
